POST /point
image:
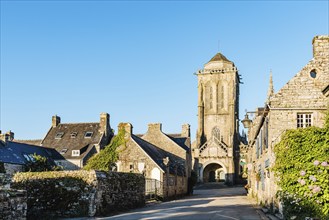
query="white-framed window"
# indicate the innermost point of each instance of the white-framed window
(88, 134)
(304, 120)
(75, 153)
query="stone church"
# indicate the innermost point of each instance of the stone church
(216, 150)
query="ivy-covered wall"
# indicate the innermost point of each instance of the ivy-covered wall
(79, 193)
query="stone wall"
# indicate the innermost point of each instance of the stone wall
(12, 204)
(79, 193)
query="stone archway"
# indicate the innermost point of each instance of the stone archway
(213, 172)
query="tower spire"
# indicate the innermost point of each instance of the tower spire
(270, 90)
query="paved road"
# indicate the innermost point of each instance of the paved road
(210, 201)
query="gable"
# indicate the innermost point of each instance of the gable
(304, 89)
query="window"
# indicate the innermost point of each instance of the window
(88, 134)
(131, 168)
(313, 74)
(74, 134)
(304, 120)
(75, 153)
(216, 133)
(59, 135)
(63, 151)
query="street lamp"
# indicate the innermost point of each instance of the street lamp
(246, 121)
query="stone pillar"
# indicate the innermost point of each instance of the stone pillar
(56, 120)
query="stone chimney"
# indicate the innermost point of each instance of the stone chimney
(186, 130)
(321, 47)
(104, 123)
(154, 127)
(127, 126)
(56, 120)
(9, 136)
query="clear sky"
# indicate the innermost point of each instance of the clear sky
(136, 59)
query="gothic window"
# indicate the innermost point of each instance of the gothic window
(216, 133)
(209, 95)
(220, 97)
(304, 120)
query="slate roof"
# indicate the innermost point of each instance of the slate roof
(179, 140)
(158, 154)
(17, 153)
(32, 142)
(219, 57)
(70, 142)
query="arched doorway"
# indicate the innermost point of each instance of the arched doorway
(213, 173)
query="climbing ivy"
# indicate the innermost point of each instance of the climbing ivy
(302, 171)
(107, 157)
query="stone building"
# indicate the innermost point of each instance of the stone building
(77, 142)
(216, 151)
(15, 156)
(301, 103)
(159, 157)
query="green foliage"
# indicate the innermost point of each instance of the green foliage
(107, 157)
(39, 164)
(302, 170)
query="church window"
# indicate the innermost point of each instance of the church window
(220, 97)
(216, 133)
(304, 120)
(209, 96)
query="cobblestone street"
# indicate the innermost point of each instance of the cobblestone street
(210, 201)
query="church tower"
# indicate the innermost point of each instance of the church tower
(217, 141)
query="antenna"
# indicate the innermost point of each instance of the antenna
(218, 45)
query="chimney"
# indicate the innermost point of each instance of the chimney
(186, 130)
(56, 120)
(104, 123)
(127, 127)
(321, 47)
(153, 127)
(9, 136)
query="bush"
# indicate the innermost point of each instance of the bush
(39, 164)
(302, 170)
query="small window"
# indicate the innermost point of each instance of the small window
(88, 134)
(304, 120)
(74, 134)
(59, 135)
(63, 151)
(75, 153)
(131, 168)
(313, 74)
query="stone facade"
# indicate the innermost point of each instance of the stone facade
(80, 193)
(300, 103)
(12, 204)
(217, 141)
(162, 160)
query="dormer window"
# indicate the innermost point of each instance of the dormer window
(75, 153)
(88, 134)
(63, 151)
(74, 134)
(59, 135)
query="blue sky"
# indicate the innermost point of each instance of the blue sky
(136, 59)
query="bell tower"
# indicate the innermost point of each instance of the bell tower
(217, 138)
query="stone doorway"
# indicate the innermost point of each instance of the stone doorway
(213, 173)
